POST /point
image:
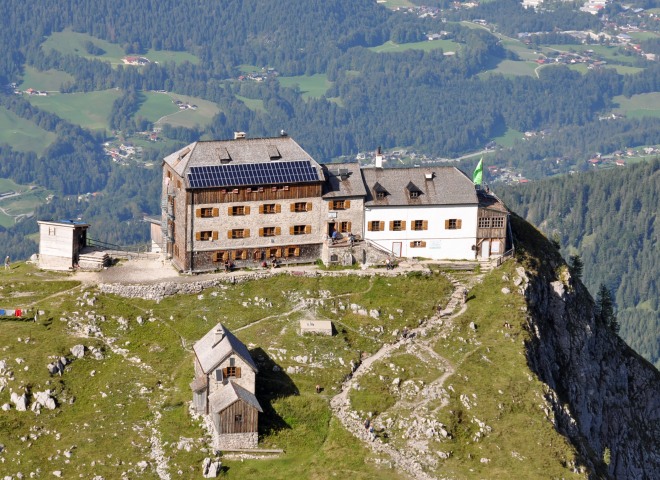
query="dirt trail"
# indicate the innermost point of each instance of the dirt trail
(417, 343)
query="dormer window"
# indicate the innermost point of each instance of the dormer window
(380, 191)
(273, 152)
(413, 190)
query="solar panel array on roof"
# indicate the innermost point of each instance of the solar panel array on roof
(237, 175)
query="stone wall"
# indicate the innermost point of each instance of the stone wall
(232, 441)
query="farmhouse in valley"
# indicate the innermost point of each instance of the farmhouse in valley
(250, 201)
(223, 389)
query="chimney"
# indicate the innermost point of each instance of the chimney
(379, 159)
(239, 135)
(218, 335)
(283, 133)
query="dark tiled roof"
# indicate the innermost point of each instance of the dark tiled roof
(490, 201)
(436, 186)
(343, 180)
(240, 151)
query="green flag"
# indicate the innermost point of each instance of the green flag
(478, 174)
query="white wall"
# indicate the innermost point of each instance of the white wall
(441, 243)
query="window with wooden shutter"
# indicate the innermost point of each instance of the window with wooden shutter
(246, 210)
(308, 229)
(347, 204)
(244, 255)
(278, 252)
(296, 252)
(261, 232)
(198, 236)
(309, 207)
(403, 224)
(417, 244)
(453, 224)
(215, 235)
(225, 256)
(459, 223)
(198, 213)
(292, 230)
(425, 225)
(261, 208)
(230, 234)
(278, 208)
(370, 226)
(278, 231)
(246, 233)
(230, 211)
(391, 225)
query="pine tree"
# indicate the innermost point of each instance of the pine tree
(575, 266)
(605, 309)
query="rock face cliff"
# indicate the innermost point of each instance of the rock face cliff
(606, 397)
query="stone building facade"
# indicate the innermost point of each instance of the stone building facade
(224, 387)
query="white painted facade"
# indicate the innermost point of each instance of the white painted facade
(60, 243)
(439, 243)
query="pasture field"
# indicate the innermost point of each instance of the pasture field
(182, 118)
(426, 45)
(69, 42)
(512, 68)
(313, 86)
(254, 104)
(639, 36)
(50, 80)
(392, 4)
(643, 105)
(23, 135)
(508, 138)
(25, 203)
(89, 110)
(156, 106)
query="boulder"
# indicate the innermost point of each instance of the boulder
(21, 403)
(78, 351)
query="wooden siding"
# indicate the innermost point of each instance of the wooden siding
(499, 232)
(216, 195)
(225, 422)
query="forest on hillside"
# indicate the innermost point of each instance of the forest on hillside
(610, 219)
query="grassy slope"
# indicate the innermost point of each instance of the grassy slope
(22, 134)
(108, 426)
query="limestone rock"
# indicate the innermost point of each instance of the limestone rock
(78, 351)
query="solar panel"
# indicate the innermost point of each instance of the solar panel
(237, 175)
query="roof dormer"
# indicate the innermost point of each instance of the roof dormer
(413, 190)
(380, 191)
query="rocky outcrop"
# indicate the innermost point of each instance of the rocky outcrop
(606, 397)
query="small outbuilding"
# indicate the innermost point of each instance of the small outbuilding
(223, 389)
(321, 327)
(60, 244)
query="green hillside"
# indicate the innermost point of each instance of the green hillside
(130, 404)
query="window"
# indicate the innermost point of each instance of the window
(238, 233)
(268, 208)
(206, 235)
(453, 224)
(273, 252)
(380, 195)
(376, 226)
(238, 418)
(414, 194)
(220, 256)
(340, 204)
(239, 210)
(206, 212)
(397, 225)
(51, 231)
(417, 244)
(240, 254)
(420, 225)
(484, 223)
(498, 222)
(292, 252)
(270, 231)
(301, 207)
(300, 229)
(234, 372)
(344, 227)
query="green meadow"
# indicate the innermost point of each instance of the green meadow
(254, 104)
(643, 105)
(311, 86)
(73, 43)
(22, 134)
(50, 80)
(426, 45)
(159, 108)
(90, 110)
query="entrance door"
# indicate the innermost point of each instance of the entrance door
(396, 248)
(485, 249)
